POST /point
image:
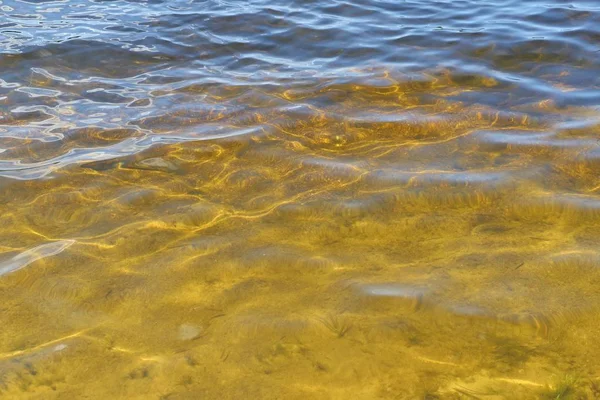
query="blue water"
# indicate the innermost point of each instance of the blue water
(152, 67)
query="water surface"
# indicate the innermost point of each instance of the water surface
(294, 199)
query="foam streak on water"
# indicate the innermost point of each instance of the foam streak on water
(294, 199)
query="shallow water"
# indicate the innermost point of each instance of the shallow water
(361, 199)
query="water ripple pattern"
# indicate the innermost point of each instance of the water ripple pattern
(143, 73)
(304, 199)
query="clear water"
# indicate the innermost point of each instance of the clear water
(293, 199)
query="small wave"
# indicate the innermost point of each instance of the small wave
(27, 257)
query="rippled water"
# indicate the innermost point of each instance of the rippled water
(294, 199)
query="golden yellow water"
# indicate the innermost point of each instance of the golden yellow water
(299, 200)
(310, 260)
